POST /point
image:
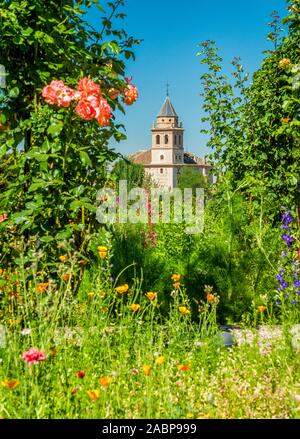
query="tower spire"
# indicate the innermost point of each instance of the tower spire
(167, 85)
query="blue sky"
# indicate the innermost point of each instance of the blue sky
(171, 30)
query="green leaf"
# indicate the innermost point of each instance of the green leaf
(47, 238)
(55, 128)
(14, 92)
(85, 158)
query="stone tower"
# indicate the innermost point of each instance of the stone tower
(167, 152)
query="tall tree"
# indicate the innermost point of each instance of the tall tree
(56, 161)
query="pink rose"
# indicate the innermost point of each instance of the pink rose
(87, 87)
(104, 113)
(130, 93)
(57, 93)
(85, 110)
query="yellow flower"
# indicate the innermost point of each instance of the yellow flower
(102, 255)
(1, 271)
(122, 289)
(102, 248)
(10, 384)
(13, 322)
(151, 295)
(91, 295)
(184, 310)
(176, 285)
(105, 381)
(261, 308)
(135, 307)
(147, 369)
(93, 394)
(176, 277)
(63, 258)
(160, 360)
(41, 287)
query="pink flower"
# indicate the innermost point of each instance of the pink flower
(130, 93)
(104, 113)
(86, 110)
(57, 93)
(298, 251)
(33, 356)
(88, 87)
(3, 217)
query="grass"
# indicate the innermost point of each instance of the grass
(134, 364)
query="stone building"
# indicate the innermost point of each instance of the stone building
(167, 157)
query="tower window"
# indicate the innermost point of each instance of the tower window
(162, 157)
(175, 139)
(166, 139)
(179, 139)
(157, 139)
(170, 120)
(161, 170)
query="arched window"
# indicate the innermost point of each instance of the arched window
(157, 139)
(166, 139)
(162, 157)
(179, 139)
(175, 139)
(161, 170)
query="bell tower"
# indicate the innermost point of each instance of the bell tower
(167, 145)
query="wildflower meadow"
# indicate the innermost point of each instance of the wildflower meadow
(141, 319)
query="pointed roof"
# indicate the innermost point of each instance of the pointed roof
(167, 110)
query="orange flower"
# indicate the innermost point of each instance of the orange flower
(102, 248)
(135, 307)
(160, 360)
(105, 381)
(261, 308)
(10, 384)
(286, 119)
(184, 310)
(102, 255)
(147, 369)
(210, 298)
(65, 277)
(93, 394)
(151, 295)
(41, 287)
(176, 277)
(122, 289)
(3, 217)
(183, 367)
(176, 285)
(63, 258)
